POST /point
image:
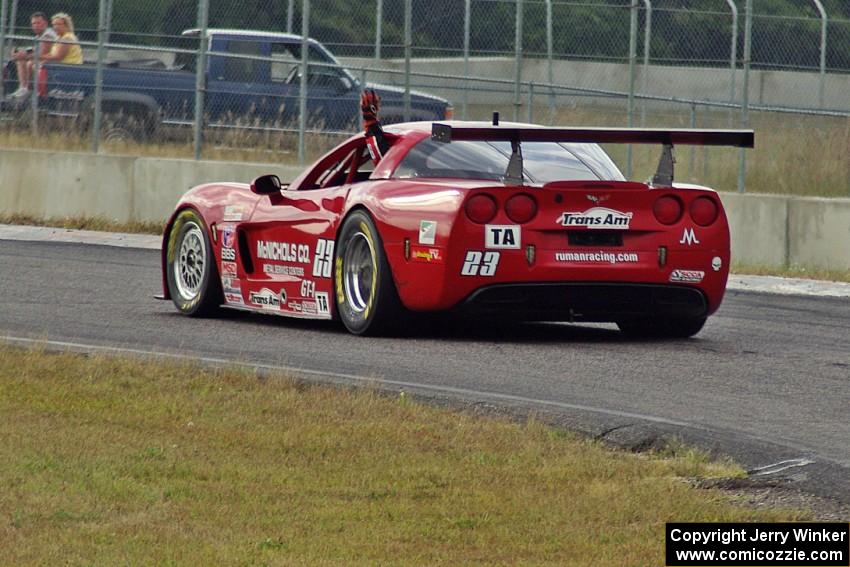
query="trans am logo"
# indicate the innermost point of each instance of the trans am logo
(596, 217)
(267, 299)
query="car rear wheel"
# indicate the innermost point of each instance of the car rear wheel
(662, 327)
(366, 296)
(193, 280)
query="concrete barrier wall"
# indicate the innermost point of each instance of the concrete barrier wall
(767, 230)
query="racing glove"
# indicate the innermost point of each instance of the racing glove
(370, 105)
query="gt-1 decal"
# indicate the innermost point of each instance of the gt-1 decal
(426, 254)
(501, 236)
(687, 276)
(308, 288)
(477, 263)
(267, 299)
(283, 252)
(596, 217)
(323, 261)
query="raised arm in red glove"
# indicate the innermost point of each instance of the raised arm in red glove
(370, 104)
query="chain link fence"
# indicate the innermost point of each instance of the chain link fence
(193, 77)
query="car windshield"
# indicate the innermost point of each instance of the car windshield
(543, 162)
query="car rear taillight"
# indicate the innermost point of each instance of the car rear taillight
(668, 209)
(481, 208)
(521, 208)
(704, 211)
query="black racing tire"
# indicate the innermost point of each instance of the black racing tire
(662, 327)
(191, 273)
(366, 298)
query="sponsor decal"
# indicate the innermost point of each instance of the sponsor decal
(687, 276)
(308, 288)
(234, 298)
(323, 306)
(426, 254)
(716, 263)
(283, 252)
(233, 213)
(478, 263)
(688, 237)
(228, 236)
(278, 270)
(310, 307)
(427, 232)
(598, 257)
(231, 285)
(501, 236)
(228, 254)
(296, 306)
(228, 269)
(596, 199)
(596, 217)
(323, 261)
(267, 299)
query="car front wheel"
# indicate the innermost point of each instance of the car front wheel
(193, 280)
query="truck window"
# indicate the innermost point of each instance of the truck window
(243, 70)
(283, 61)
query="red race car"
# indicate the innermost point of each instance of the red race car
(508, 221)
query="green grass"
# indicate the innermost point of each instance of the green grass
(118, 461)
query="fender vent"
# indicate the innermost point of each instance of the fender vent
(244, 251)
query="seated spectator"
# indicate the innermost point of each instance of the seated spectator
(22, 57)
(67, 49)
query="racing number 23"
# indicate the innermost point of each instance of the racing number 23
(479, 263)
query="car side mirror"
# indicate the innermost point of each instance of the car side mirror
(266, 185)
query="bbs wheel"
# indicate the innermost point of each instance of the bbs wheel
(192, 277)
(662, 327)
(366, 297)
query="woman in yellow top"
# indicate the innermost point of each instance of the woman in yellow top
(66, 49)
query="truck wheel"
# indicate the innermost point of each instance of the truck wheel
(122, 127)
(366, 297)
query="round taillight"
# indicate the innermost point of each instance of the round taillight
(668, 209)
(481, 208)
(521, 208)
(704, 211)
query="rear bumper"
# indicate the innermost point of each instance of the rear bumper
(599, 302)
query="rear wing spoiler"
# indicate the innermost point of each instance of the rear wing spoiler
(738, 138)
(447, 133)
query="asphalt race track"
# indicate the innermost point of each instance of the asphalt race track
(767, 380)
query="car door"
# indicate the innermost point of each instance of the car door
(290, 240)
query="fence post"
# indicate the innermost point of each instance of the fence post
(733, 49)
(13, 17)
(518, 63)
(531, 102)
(408, 45)
(647, 36)
(550, 77)
(379, 22)
(290, 15)
(98, 76)
(302, 91)
(3, 8)
(36, 70)
(108, 20)
(745, 97)
(467, 14)
(823, 27)
(693, 150)
(362, 88)
(632, 68)
(200, 77)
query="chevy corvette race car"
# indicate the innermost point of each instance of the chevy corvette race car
(509, 221)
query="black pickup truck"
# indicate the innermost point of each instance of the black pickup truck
(142, 96)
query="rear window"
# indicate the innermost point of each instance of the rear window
(543, 162)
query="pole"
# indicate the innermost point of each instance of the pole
(692, 157)
(632, 69)
(108, 20)
(531, 102)
(518, 60)
(647, 35)
(3, 9)
(290, 14)
(408, 45)
(200, 77)
(379, 22)
(362, 88)
(13, 17)
(36, 70)
(98, 75)
(823, 27)
(302, 92)
(733, 49)
(745, 97)
(550, 74)
(467, 13)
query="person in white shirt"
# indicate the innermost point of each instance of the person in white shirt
(23, 57)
